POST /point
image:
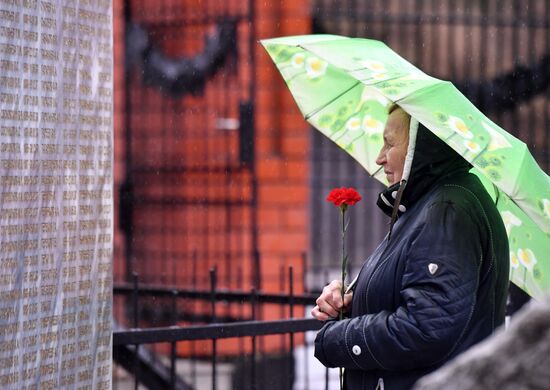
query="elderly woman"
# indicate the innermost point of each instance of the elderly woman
(438, 282)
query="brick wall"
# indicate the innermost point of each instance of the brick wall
(178, 130)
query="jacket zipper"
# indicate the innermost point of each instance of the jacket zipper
(380, 385)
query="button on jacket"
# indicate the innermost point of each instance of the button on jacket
(435, 288)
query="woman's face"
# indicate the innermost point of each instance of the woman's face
(396, 140)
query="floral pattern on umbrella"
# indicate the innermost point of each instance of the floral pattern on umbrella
(345, 94)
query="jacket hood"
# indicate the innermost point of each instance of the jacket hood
(433, 160)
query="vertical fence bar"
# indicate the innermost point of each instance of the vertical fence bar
(485, 28)
(516, 60)
(531, 59)
(418, 38)
(282, 308)
(499, 40)
(435, 35)
(165, 110)
(253, 354)
(252, 45)
(127, 186)
(451, 20)
(193, 354)
(213, 277)
(291, 309)
(468, 68)
(135, 324)
(241, 318)
(306, 343)
(306, 363)
(173, 350)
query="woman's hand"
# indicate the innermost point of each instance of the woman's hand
(330, 302)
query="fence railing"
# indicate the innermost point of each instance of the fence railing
(138, 337)
(171, 334)
(127, 343)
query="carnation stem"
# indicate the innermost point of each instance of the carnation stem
(344, 261)
(342, 288)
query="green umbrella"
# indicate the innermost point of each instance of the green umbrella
(343, 86)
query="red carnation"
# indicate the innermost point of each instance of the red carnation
(343, 197)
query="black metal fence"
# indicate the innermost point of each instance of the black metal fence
(252, 367)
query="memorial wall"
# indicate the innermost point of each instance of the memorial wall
(56, 194)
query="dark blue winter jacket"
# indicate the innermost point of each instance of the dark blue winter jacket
(436, 288)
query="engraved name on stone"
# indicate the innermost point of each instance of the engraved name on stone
(59, 125)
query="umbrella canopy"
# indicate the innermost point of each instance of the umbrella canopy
(344, 86)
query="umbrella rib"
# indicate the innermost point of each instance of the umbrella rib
(307, 116)
(375, 172)
(497, 193)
